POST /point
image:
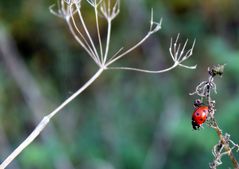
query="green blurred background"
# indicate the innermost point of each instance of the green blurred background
(125, 120)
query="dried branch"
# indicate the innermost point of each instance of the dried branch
(68, 10)
(225, 144)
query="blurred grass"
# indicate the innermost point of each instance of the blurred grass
(119, 117)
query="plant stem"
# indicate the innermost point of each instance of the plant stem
(46, 120)
(129, 50)
(107, 41)
(226, 146)
(98, 32)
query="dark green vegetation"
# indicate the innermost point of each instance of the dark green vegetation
(126, 120)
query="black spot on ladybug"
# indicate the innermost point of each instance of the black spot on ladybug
(197, 114)
(195, 125)
(201, 119)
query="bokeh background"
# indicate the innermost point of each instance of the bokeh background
(125, 120)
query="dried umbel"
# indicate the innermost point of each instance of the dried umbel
(71, 12)
(225, 145)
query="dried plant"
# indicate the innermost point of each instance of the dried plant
(70, 11)
(225, 145)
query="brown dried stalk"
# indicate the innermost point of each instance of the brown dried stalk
(225, 145)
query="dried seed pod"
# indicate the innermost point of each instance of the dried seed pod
(216, 70)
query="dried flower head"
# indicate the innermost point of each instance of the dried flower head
(71, 12)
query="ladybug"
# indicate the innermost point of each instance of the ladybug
(199, 116)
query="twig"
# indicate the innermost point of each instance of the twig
(204, 91)
(27, 84)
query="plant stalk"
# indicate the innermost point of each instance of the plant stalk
(226, 146)
(46, 120)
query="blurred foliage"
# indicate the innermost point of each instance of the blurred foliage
(125, 120)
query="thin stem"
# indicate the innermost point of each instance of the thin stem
(89, 51)
(98, 31)
(188, 67)
(87, 32)
(144, 70)
(84, 39)
(116, 53)
(108, 40)
(45, 121)
(72, 97)
(226, 146)
(182, 52)
(129, 50)
(171, 51)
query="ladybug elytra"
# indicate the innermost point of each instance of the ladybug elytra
(199, 116)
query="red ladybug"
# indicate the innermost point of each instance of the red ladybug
(199, 116)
